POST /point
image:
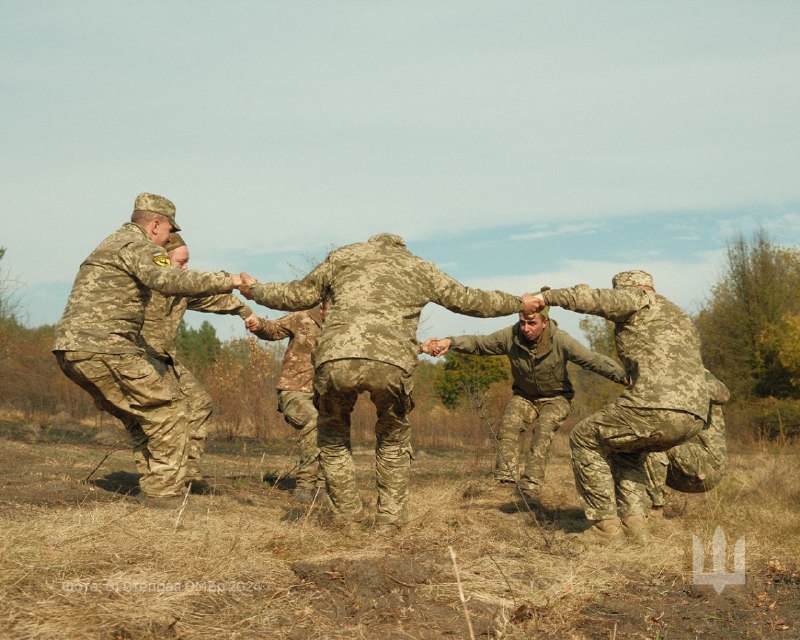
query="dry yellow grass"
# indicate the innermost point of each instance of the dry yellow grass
(77, 561)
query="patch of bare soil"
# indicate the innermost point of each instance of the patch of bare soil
(765, 607)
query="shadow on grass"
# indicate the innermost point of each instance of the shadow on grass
(271, 479)
(284, 483)
(122, 482)
(569, 520)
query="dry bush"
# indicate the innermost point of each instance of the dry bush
(242, 383)
(31, 381)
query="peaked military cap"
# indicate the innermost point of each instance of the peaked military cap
(156, 204)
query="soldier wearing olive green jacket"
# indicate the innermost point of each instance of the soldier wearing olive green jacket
(369, 344)
(665, 404)
(98, 343)
(538, 352)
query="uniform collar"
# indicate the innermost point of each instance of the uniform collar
(316, 315)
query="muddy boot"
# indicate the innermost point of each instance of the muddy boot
(635, 528)
(602, 533)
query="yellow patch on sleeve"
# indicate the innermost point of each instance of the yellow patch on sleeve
(161, 260)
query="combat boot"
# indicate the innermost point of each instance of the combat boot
(602, 532)
(635, 528)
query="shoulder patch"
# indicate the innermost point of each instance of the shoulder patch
(161, 260)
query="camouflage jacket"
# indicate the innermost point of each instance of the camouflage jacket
(164, 314)
(377, 291)
(540, 370)
(712, 437)
(657, 343)
(105, 309)
(302, 329)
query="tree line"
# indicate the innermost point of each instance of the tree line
(749, 325)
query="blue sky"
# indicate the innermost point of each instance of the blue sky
(515, 144)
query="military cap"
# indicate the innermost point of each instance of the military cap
(173, 242)
(156, 204)
(633, 278)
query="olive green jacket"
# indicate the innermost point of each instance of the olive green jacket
(540, 371)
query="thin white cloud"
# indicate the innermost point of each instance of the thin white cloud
(552, 232)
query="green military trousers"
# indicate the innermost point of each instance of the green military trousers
(299, 411)
(200, 407)
(150, 406)
(608, 455)
(337, 384)
(519, 416)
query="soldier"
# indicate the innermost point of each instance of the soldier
(159, 331)
(99, 347)
(542, 390)
(369, 344)
(697, 465)
(295, 390)
(665, 404)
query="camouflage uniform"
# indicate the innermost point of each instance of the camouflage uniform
(295, 387)
(98, 346)
(159, 332)
(369, 344)
(542, 389)
(697, 465)
(665, 404)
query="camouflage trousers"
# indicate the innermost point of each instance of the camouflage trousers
(696, 466)
(150, 406)
(200, 409)
(299, 411)
(518, 417)
(608, 455)
(337, 384)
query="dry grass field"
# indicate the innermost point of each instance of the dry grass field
(81, 560)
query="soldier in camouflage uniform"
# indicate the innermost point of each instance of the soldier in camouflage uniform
(697, 465)
(665, 405)
(542, 390)
(295, 390)
(159, 332)
(369, 344)
(99, 347)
